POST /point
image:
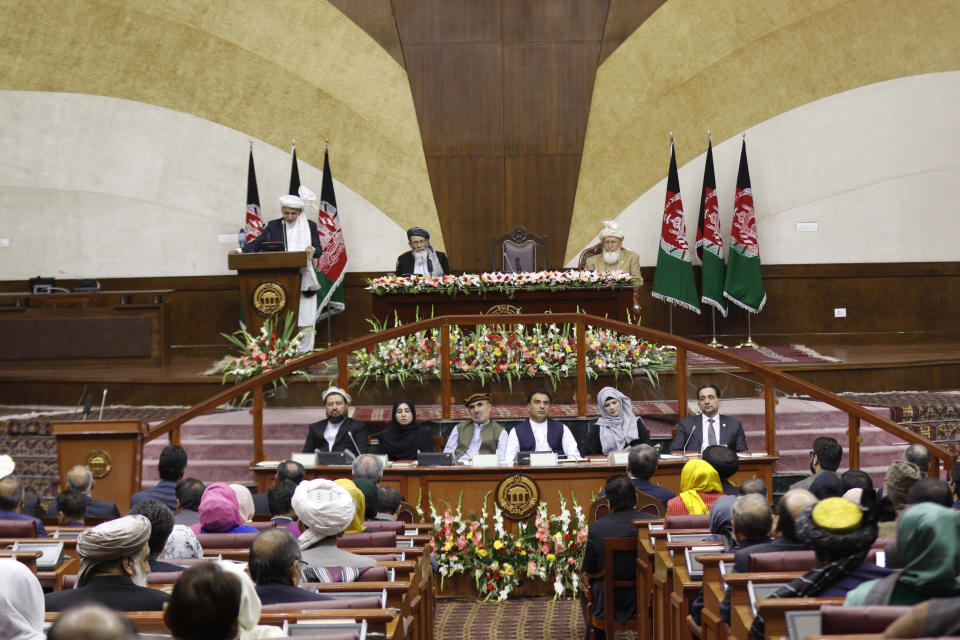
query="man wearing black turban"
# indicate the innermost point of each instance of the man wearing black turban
(422, 259)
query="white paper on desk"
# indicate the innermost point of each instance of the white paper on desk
(670, 456)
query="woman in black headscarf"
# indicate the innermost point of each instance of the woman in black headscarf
(405, 438)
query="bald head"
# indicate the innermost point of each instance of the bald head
(11, 494)
(92, 622)
(80, 478)
(274, 557)
(751, 516)
(790, 507)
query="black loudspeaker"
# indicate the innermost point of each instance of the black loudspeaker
(85, 285)
(42, 285)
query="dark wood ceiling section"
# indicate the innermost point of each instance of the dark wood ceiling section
(502, 91)
(376, 18)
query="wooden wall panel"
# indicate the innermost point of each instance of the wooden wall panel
(469, 193)
(538, 21)
(547, 90)
(420, 21)
(376, 18)
(458, 96)
(539, 194)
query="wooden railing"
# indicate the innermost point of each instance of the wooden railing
(771, 378)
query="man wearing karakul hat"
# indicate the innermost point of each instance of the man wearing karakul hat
(114, 568)
(614, 257)
(297, 233)
(422, 259)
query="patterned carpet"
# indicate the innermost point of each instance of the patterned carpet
(932, 415)
(517, 618)
(26, 437)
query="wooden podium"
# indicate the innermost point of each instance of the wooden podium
(269, 284)
(113, 449)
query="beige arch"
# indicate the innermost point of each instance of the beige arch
(277, 70)
(729, 64)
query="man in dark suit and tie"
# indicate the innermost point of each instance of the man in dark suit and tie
(80, 478)
(337, 432)
(696, 433)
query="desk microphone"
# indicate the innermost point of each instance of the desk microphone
(686, 443)
(88, 403)
(83, 394)
(516, 261)
(103, 401)
(354, 443)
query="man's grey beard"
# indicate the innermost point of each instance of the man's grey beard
(611, 257)
(420, 255)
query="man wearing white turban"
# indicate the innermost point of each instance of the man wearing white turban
(326, 508)
(297, 233)
(614, 256)
(114, 568)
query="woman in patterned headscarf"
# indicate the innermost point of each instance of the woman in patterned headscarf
(617, 428)
(699, 488)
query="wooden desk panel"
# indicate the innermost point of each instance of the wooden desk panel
(584, 480)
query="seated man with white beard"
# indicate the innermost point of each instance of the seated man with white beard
(114, 568)
(422, 259)
(614, 256)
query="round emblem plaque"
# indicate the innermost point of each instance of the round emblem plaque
(269, 298)
(100, 463)
(517, 496)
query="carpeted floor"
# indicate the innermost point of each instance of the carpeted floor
(515, 619)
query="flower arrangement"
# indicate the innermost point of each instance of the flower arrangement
(495, 352)
(472, 284)
(271, 348)
(550, 549)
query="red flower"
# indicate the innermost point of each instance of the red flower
(490, 586)
(566, 536)
(496, 576)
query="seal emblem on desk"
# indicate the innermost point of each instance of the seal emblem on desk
(518, 495)
(269, 298)
(99, 463)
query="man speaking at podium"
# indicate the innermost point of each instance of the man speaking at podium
(293, 232)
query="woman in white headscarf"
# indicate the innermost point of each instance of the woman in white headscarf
(297, 233)
(617, 428)
(21, 602)
(250, 606)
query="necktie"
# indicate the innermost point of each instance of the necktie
(712, 435)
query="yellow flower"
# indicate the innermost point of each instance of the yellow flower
(448, 546)
(522, 552)
(539, 360)
(567, 348)
(517, 544)
(551, 557)
(497, 545)
(482, 553)
(470, 535)
(507, 569)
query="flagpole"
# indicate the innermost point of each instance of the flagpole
(326, 144)
(749, 343)
(713, 321)
(671, 319)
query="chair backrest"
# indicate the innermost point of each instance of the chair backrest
(649, 504)
(687, 522)
(384, 525)
(373, 539)
(226, 540)
(618, 553)
(779, 561)
(599, 509)
(845, 620)
(18, 528)
(374, 574)
(518, 251)
(589, 252)
(358, 602)
(262, 525)
(407, 513)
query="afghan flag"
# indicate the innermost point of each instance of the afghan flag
(254, 223)
(294, 171)
(332, 264)
(710, 239)
(673, 280)
(743, 285)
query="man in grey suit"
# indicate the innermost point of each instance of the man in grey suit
(696, 433)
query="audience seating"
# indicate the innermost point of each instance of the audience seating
(18, 529)
(774, 612)
(67, 581)
(840, 620)
(384, 525)
(226, 540)
(407, 513)
(373, 539)
(26, 558)
(608, 623)
(688, 522)
(359, 602)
